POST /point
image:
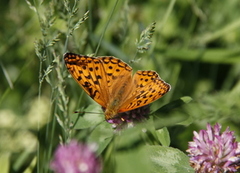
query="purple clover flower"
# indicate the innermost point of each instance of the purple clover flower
(130, 118)
(75, 158)
(214, 152)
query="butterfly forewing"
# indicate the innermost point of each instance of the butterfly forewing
(90, 75)
(147, 87)
(100, 77)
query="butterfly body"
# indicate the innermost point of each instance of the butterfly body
(115, 102)
(110, 83)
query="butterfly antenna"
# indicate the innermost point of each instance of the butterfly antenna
(79, 112)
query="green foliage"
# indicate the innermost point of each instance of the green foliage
(194, 46)
(167, 159)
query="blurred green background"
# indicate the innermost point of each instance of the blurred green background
(195, 48)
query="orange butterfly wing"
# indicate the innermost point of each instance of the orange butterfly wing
(97, 76)
(147, 87)
(109, 82)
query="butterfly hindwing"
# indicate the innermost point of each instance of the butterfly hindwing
(147, 87)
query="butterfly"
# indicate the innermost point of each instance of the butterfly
(109, 82)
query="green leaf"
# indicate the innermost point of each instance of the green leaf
(134, 136)
(167, 160)
(172, 113)
(131, 162)
(91, 118)
(221, 55)
(151, 159)
(101, 135)
(163, 136)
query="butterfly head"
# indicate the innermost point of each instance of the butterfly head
(109, 114)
